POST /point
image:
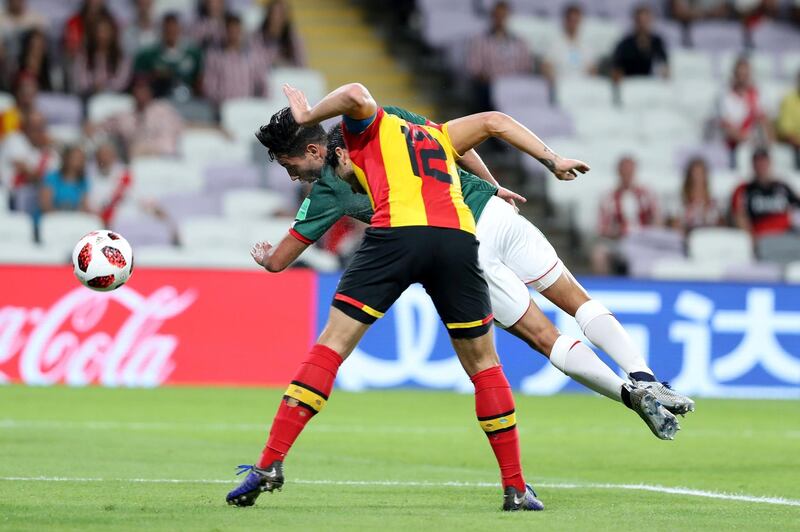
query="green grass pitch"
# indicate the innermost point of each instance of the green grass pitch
(382, 461)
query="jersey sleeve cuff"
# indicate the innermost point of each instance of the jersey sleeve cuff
(300, 237)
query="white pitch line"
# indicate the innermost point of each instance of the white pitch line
(781, 501)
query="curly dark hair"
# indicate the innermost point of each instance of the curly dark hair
(284, 137)
(335, 140)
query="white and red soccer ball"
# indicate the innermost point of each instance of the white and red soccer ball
(102, 260)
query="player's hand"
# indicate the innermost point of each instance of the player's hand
(298, 103)
(510, 197)
(261, 252)
(567, 169)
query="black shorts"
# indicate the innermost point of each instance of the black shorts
(444, 261)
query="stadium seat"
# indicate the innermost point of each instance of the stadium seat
(782, 249)
(792, 274)
(773, 36)
(687, 270)
(107, 104)
(659, 124)
(772, 93)
(754, 272)
(154, 177)
(715, 154)
(278, 181)
(62, 230)
(15, 227)
(441, 29)
(144, 230)
(184, 8)
(648, 245)
(251, 203)
(241, 117)
(576, 94)
(213, 233)
(179, 207)
(606, 123)
(4, 205)
(763, 65)
(688, 64)
(60, 108)
(6, 101)
(782, 158)
(310, 81)
(30, 253)
(696, 98)
(65, 133)
(271, 229)
(201, 145)
(546, 121)
(226, 175)
(511, 92)
(717, 35)
(161, 256)
(720, 245)
(789, 65)
(603, 33)
(646, 93)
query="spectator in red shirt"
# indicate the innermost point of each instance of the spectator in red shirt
(764, 205)
(109, 181)
(740, 114)
(623, 211)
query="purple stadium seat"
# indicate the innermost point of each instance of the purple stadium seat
(60, 108)
(775, 37)
(144, 230)
(717, 36)
(223, 176)
(442, 28)
(760, 272)
(181, 206)
(546, 121)
(510, 92)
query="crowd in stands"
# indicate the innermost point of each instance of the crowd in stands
(178, 67)
(646, 64)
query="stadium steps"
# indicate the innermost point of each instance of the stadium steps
(342, 45)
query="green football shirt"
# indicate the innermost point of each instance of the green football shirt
(331, 198)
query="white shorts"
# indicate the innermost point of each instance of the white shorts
(513, 253)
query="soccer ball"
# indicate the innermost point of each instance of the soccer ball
(102, 260)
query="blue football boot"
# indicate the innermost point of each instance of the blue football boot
(257, 480)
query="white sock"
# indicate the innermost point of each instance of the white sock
(604, 331)
(576, 360)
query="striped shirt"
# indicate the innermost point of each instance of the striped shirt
(100, 78)
(498, 54)
(238, 73)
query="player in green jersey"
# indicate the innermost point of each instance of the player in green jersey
(512, 253)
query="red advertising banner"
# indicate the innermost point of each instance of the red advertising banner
(166, 326)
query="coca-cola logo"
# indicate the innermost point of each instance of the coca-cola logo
(67, 343)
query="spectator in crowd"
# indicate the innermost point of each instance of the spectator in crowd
(688, 11)
(142, 31)
(763, 206)
(235, 70)
(79, 25)
(65, 189)
(208, 29)
(34, 61)
(496, 53)
(624, 210)
(278, 34)
(153, 128)
(740, 115)
(642, 52)
(173, 64)
(570, 53)
(16, 20)
(788, 123)
(697, 207)
(25, 158)
(109, 181)
(101, 65)
(25, 93)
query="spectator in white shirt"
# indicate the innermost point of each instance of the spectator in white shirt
(570, 53)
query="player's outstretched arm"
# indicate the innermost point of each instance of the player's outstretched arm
(277, 259)
(469, 131)
(352, 100)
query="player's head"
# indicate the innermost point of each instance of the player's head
(300, 150)
(338, 158)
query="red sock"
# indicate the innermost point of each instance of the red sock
(310, 388)
(494, 405)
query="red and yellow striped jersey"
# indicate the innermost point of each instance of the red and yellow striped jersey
(409, 173)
